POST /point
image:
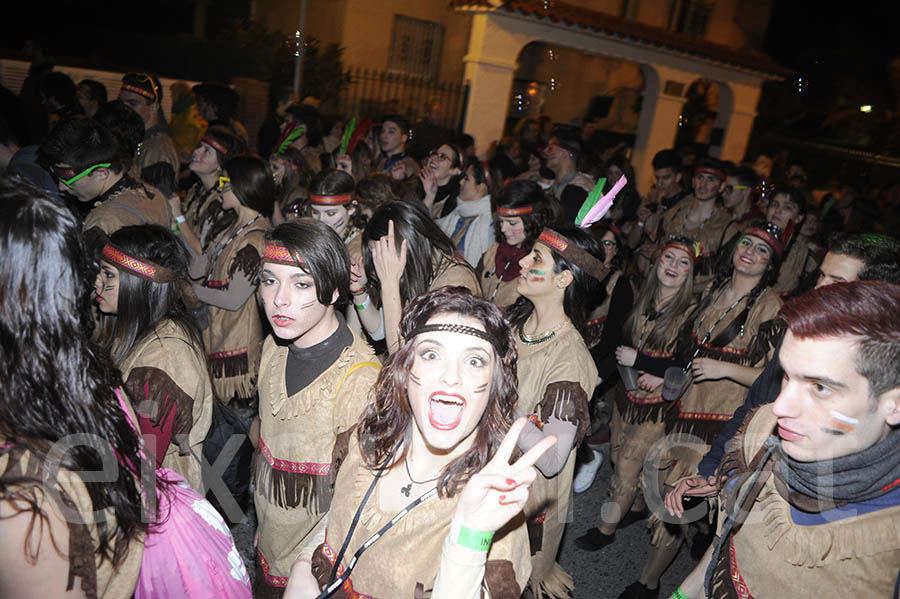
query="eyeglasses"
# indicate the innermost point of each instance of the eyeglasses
(730, 188)
(437, 155)
(224, 182)
(67, 174)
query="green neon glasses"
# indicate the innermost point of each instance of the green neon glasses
(63, 172)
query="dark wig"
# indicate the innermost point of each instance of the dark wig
(388, 421)
(81, 143)
(252, 183)
(325, 256)
(582, 295)
(142, 303)
(428, 248)
(332, 181)
(55, 382)
(527, 193)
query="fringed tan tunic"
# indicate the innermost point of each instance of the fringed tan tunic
(709, 232)
(771, 555)
(95, 578)
(453, 272)
(404, 563)
(597, 318)
(129, 202)
(292, 473)
(561, 367)
(234, 338)
(168, 384)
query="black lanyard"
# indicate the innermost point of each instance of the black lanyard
(336, 582)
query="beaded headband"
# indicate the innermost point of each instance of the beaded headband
(462, 330)
(335, 200)
(141, 268)
(520, 211)
(139, 91)
(215, 145)
(769, 233)
(693, 248)
(575, 254)
(278, 254)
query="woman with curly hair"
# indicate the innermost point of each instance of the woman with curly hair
(562, 279)
(140, 294)
(522, 212)
(427, 477)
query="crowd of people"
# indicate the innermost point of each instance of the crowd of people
(373, 339)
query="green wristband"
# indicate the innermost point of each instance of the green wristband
(363, 305)
(679, 594)
(474, 539)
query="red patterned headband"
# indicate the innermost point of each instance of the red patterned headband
(335, 200)
(575, 254)
(520, 211)
(278, 254)
(711, 171)
(139, 91)
(141, 268)
(215, 145)
(694, 249)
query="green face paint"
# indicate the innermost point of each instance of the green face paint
(537, 272)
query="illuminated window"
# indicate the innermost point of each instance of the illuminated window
(416, 47)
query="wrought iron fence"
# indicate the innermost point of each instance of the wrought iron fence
(378, 93)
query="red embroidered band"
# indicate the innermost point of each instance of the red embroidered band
(336, 200)
(574, 254)
(769, 234)
(139, 91)
(278, 254)
(215, 145)
(693, 248)
(142, 268)
(520, 211)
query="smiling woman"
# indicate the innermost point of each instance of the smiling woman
(433, 436)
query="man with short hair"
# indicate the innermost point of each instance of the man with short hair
(787, 210)
(849, 258)
(737, 196)
(570, 186)
(157, 158)
(270, 130)
(812, 491)
(394, 160)
(88, 163)
(218, 104)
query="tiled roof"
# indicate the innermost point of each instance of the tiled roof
(583, 18)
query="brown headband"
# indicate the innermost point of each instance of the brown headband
(335, 200)
(574, 254)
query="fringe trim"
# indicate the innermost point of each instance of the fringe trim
(556, 585)
(707, 429)
(229, 364)
(722, 582)
(292, 489)
(639, 413)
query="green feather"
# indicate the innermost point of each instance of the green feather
(293, 135)
(348, 131)
(591, 200)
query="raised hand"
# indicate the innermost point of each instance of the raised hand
(499, 491)
(389, 263)
(358, 278)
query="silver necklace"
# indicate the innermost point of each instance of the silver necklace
(406, 489)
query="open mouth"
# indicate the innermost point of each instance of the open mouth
(671, 274)
(445, 410)
(746, 260)
(282, 321)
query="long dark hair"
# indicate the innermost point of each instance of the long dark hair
(252, 184)
(142, 303)
(55, 382)
(723, 277)
(582, 295)
(389, 420)
(426, 243)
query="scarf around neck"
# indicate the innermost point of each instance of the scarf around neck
(506, 261)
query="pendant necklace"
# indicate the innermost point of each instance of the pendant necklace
(536, 339)
(406, 489)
